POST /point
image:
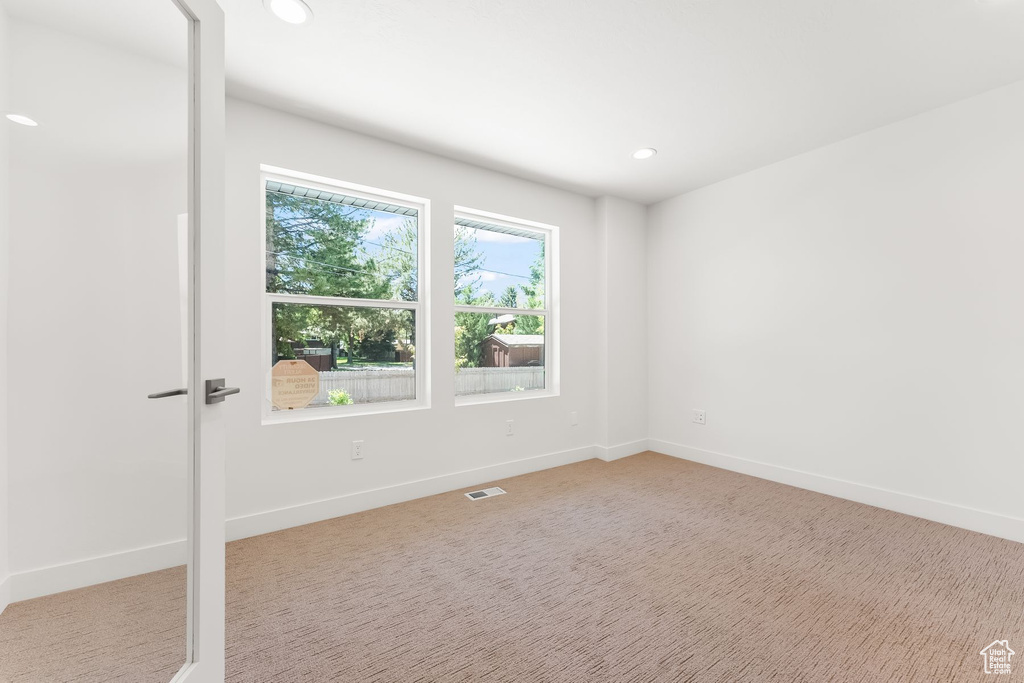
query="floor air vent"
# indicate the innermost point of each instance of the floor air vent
(485, 493)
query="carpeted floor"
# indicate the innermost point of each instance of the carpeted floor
(644, 569)
(132, 630)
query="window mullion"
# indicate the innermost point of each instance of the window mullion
(460, 308)
(316, 300)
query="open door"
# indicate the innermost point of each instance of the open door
(116, 298)
(205, 632)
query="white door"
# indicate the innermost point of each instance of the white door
(205, 647)
(112, 214)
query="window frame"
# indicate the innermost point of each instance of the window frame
(550, 312)
(420, 307)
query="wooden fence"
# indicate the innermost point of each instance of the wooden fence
(369, 386)
(491, 380)
(399, 384)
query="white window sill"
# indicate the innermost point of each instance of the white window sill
(503, 397)
(336, 412)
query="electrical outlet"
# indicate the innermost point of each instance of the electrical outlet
(508, 429)
(699, 417)
(574, 418)
(357, 450)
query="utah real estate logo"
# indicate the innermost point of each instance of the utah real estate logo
(997, 657)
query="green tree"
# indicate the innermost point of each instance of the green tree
(468, 261)
(470, 328)
(399, 261)
(534, 292)
(509, 298)
(313, 248)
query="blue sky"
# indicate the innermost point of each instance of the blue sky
(507, 258)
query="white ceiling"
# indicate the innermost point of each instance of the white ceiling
(563, 91)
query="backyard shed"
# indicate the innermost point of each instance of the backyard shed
(512, 350)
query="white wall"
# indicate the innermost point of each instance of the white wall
(847, 318)
(5, 105)
(306, 466)
(95, 469)
(851, 318)
(93, 494)
(622, 393)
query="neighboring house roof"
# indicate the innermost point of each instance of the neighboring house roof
(518, 339)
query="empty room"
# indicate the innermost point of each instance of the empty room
(517, 342)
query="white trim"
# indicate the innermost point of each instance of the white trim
(551, 311)
(204, 656)
(5, 593)
(307, 513)
(982, 521)
(81, 573)
(500, 310)
(278, 417)
(47, 580)
(319, 182)
(503, 220)
(195, 221)
(503, 396)
(420, 307)
(312, 300)
(623, 450)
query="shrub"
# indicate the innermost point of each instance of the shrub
(338, 397)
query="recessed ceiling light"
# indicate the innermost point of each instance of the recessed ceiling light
(23, 120)
(645, 153)
(291, 11)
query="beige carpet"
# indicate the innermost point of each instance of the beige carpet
(128, 630)
(644, 569)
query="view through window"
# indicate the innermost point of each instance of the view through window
(501, 303)
(342, 289)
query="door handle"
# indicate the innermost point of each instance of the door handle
(172, 392)
(216, 392)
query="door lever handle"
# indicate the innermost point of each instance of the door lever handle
(172, 392)
(216, 392)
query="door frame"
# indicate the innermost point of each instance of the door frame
(204, 662)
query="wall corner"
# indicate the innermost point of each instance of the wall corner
(622, 231)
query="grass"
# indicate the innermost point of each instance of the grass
(357, 362)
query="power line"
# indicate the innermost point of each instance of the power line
(364, 272)
(382, 246)
(319, 263)
(499, 272)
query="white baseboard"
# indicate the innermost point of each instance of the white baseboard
(55, 579)
(5, 593)
(623, 450)
(64, 577)
(48, 580)
(307, 513)
(991, 523)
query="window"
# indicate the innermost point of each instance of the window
(505, 322)
(343, 318)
